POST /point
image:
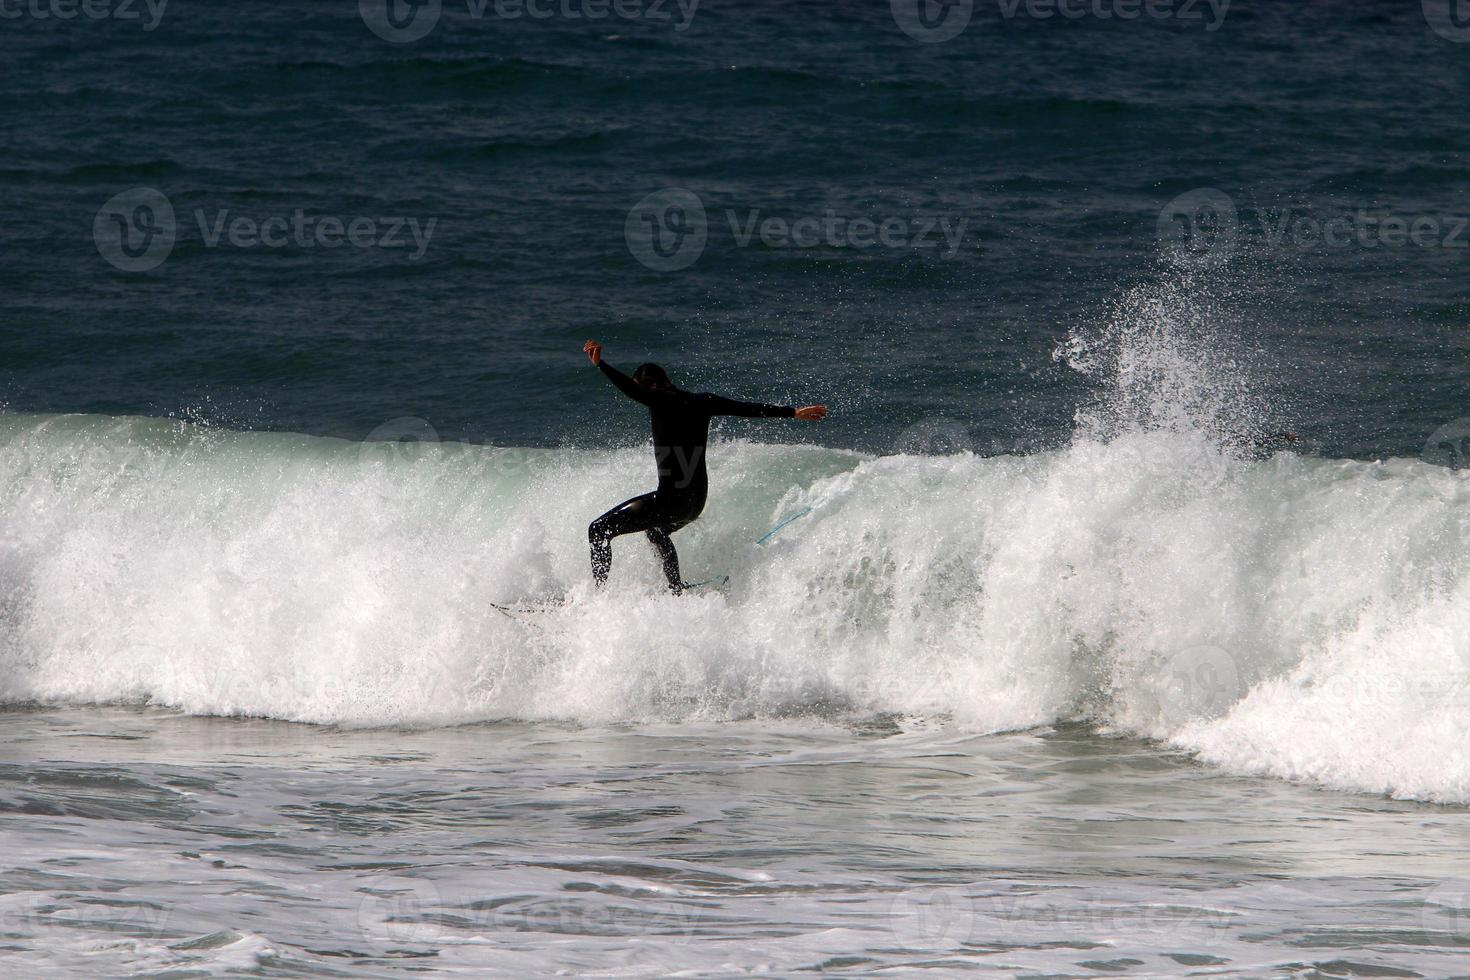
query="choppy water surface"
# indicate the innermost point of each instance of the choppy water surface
(164, 844)
(1052, 145)
(1074, 668)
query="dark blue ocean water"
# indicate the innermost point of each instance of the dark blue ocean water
(965, 713)
(1050, 145)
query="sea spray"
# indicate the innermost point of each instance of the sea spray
(302, 578)
(1171, 354)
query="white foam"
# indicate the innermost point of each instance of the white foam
(1299, 617)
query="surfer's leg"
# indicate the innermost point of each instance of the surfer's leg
(638, 514)
(664, 545)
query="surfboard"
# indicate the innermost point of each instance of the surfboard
(786, 520)
(722, 580)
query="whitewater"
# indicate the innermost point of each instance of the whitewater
(1269, 612)
(1177, 695)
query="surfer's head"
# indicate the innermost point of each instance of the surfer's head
(652, 377)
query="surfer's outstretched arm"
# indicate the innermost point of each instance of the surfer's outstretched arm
(656, 390)
(755, 410)
(621, 381)
(624, 383)
(716, 405)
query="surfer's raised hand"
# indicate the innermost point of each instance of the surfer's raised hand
(809, 413)
(593, 350)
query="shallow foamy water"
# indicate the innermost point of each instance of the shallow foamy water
(140, 842)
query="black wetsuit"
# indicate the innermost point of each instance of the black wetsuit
(680, 431)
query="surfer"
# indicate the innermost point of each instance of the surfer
(680, 431)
